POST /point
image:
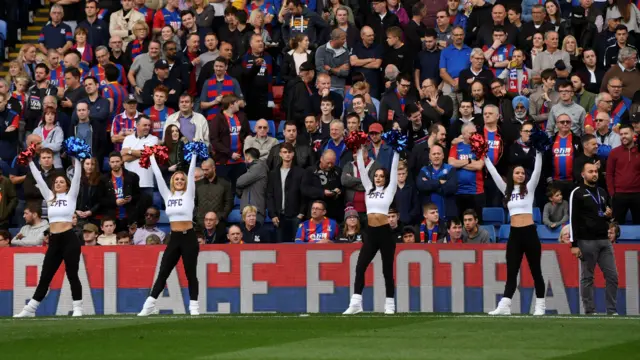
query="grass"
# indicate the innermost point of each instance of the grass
(367, 336)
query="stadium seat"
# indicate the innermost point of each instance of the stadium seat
(628, 219)
(376, 104)
(3, 30)
(236, 202)
(491, 230)
(235, 217)
(493, 216)
(252, 125)
(14, 231)
(629, 233)
(280, 133)
(164, 219)
(157, 200)
(165, 228)
(547, 235)
(537, 216)
(277, 94)
(272, 128)
(503, 234)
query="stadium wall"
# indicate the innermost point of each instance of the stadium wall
(310, 279)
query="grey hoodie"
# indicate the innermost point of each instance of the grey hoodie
(32, 235)
(575, 111)
(252, 186)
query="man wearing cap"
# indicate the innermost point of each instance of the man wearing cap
(550, 59)
(378, 151)
(297, 95)
(612, 51)
(124, 123)
(161, 71)
(635, 122)
(90, 235)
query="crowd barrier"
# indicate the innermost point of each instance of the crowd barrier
(310, 279)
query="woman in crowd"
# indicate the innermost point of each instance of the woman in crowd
(168, 34)
(537, 49)
(27, 60)
(351, 230)
(554, 15)
(51, 134)
(299, 53)
(174, 143)
(15, 71)
(253, 231)
(90, 193)
(204, 14)
(570, 45)
(395, 7)
(84, 48)
(140, 44)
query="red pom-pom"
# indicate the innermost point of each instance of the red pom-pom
(161, 154)
(25, 156)
(479, 146)
(355, 140)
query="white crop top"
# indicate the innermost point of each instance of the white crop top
(64, 206)
(518, 204)
(179, 205)
(378, 201)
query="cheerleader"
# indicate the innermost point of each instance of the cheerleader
(523, 237)
(378, 199)
(64, 244)
(179, 202)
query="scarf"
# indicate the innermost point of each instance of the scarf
(513, 80)
(401, 100)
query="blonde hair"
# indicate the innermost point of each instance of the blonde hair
(248, 209)
(563, 231)
(10, 79)
(23, 50)
(172, 186)
(140, 23)
(564, 44)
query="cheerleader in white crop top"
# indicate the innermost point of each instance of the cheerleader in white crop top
(64, 244)
(179, 202)
(378, 198)
(523, 236)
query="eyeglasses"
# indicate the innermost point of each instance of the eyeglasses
(520, 107)
(601, 120)
(615, 86)
(526, 131)
(262, 127)
(565, 122)
(404, 85)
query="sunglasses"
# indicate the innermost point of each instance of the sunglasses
(600, 120)
(564, 122)
(262, 127)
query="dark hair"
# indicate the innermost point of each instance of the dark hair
(290, 123)
(73, 71)
(242, 17)
(417, 8)
(230, 10)
(548, 74)
(352, 115)
(552, 190)
(565, 84)
(497, 80)
(615, 225)
(623, 126)
(107, 218)
(6, 235)
(187, 12)
(517, 8)
(288, 146)
(296, 3)
(499, 28)
(43, 66)
(622, 27)
(115, 154)
(387, 179)
(220, 59)
(453, 221)
(91, 78)
(324, 204)
(357, 77)
(46, 151)
(470, 212)
(411, 108)
(36, 209)
(511, 185)
(111, 72)
(167, 43)
(253, 152)
(168, 140)
(403, 76)
(94, 179)
(429, 206)
(327, 99)
(430, 32)
(122, 235)
(587, 137)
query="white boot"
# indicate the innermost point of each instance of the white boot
(29, 310)
(194, 308)
(389, 306)
(149, 307)
(541, 307)
(355, 306)
(77, 308)
(504, 307)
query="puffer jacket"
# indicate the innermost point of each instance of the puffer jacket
(213, 196)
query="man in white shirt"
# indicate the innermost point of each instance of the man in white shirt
(132, 148)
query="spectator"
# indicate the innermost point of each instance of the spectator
(302, 156)
(234, 235)
(190, 123)
(261, 141)
(535, 22)
(478, 94)
(467, 116)
(592, 71)
(31, 234)
(623, 171)
(253, 230)
(365, 119)
(476, 72)
(550, 58)
(438, 182)
(561, 156)
(354, 191)
(213, 193)
(216, 88)
(621, 104)
(161, 78)
(152, 239)
(315, 133)
(589, 154)
(472, 233)
(517, 75)
(124, 123)
(453, 59)
(415, 29)
(470, 191)
(454, 232)
(495, 148)
(151, 217)
(366, 58)
(190, 60)
(122, 22)
(167, 16)
(115, 93)
(257, 79)
(301, 20)
(296, 99)
(284, 195)
(380, 20)
(499, 54)
(9, 129)
(13, 103)
(397, 53)
(406, 199)
(74, 92)
(8, 200)
(88, 203)
(143, 66)
(427, 61)
(116, 52)
(325, 89)
(582, 97)
(345, 22)
(611, 53)
(486, 29)
(322, 182)
(99, 107)
(108, 237)
(336, 143)
(211, 232)
(353, 124)
(90, 234)
(396, 226)
(121, 189)
(251, 186)
(432, 229)
(132, 148)
(158, 113)
(544, 98)
(606, 139)
(52, 135)
(5, 238)
(556, 211)
(34, 105)
(625, 73)
(351, 228)
(408, 235)
(580, 27)
(393, 103)
(565, 235)
(298, 55)
(333, 58)
(435, 107)
(569, 107)
(179, 64)
(55, 34)
(443, 29)
(27, 61)
(123, 238)
(418, 125)
(97, 29)
(318, 229)
(419, 155)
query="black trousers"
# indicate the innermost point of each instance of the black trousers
(64, 246)
(523, 241)
(182, 244)
(475, 202)
(623, 202)
(378, 238)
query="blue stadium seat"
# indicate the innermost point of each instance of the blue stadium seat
(235, 217)
(157, 200)
(164, 219)
(493, 216)
(537, 216)
(503, 234)
(3, 30)
(492, 232)
(628, 219)
(166, 228)
(546, 235)
(14, 231)
(280, 133)
(272, 128)
(236, 202)
(376, 104)
(629, 233)
(252, 125)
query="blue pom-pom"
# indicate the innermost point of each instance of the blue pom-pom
(77, 148)
(195, 147)
(539, 140)
(396, 140)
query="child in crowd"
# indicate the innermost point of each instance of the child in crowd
(556, 211)
(432, 230)
(108, 226)
(123, 238)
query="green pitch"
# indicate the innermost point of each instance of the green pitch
(366, 336)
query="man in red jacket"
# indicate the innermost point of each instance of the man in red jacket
(623, 171)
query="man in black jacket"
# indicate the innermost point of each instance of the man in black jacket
(161, 77)
(302, 153)
(121, 189)
(284, 196)
(590, 214)
(380, 20)
(297, 95)
(322, 182)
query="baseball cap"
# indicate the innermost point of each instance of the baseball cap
(560, 65)
(635, 117)
(306, 66)
(90, 228)
(375, 127)
(131, 99)
(162, 64)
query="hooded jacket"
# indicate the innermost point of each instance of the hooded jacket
(33, 235)
(252, 186)
(308, 23)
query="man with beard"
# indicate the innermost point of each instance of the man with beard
(623, 171)
(479, 97)
(322, 182)
(302, 155)
(591, 71)
(511, 127)
(589, 154)
(581, 96)
(178, 67)
(313, 133)
(35, 97)
(122, 193)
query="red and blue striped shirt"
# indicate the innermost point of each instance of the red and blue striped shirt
(56, 76)
(494, 142)
(469, 182)
(123, 122)
(158, 119)
(117, 93)
(426, 235)
(165, 17)
(235, 144)
(98, 72)
(311, 232)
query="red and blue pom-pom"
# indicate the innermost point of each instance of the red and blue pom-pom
(24, 156)
(77, 148)
(479, 145)
(355, 140)
(396, 140)
(197, 148)
(160, 152)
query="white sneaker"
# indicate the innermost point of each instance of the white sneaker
(389, 306)
(77, 308)
(29, 310)
(504, 307)
(194, 308)
(541, 307)
(355, 306)
(149, 307)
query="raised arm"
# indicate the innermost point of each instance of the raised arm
(535, 176)
(162, 186)
(75, 182)
(393, 176)
(42, 185)
(364, 176)
(191, 178)
(495, 176)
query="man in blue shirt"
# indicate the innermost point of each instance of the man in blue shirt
(55, 34)
(366, 57)
(453, 59)
(98, 29)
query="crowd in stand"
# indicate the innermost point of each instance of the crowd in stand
(121, 76)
